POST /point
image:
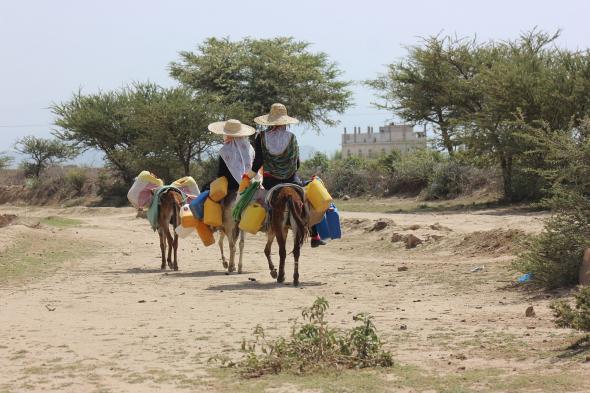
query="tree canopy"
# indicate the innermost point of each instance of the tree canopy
(42, 152)
(141, 126)
(248, 76)
(482, 96)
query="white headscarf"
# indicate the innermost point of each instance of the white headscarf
(238, 155)
(277, 140)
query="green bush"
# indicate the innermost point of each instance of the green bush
(576, 318)
(411, 173)
(112, 189)
(314, 346)
(555, 255)
(76, 179)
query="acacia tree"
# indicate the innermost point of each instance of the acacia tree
(432, 85)
(523, 82)
(42, 152)
(100, 121)
(174, 124)
(141, 126)
(248, 76)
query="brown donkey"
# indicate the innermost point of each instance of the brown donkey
(169, 214)
(287, 211)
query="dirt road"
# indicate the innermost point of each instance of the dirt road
(104, 318)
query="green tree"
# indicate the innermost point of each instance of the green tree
(248, 76)
(523, 82)
(43, 152)
(141, 126)
(101, 121)
(174, 124)
(432, 85)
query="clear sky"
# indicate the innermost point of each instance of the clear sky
(51, 48)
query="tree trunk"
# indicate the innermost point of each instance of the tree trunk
(444, 131)
(506, 164)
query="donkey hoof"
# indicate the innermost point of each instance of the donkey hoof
(175, 267)
(281, 278)
(273, 273)
(295, 283)
(225, 265)
(163, 267)
(231, 269)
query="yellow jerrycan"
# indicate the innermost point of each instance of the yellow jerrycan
(205, 233)
(187, 219)
(253, 218)
(218, 189)
(213, 213)
(318, 196)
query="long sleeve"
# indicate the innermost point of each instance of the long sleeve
(258, 155)
(223, 170)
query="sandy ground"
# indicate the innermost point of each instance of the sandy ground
(112, 321)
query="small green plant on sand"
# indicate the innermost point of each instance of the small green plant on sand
(314, 346)
(577, 317)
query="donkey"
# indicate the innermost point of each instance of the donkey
(231, 230)
(169, 214)
(288, 210)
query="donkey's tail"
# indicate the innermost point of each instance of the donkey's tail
(298, 214)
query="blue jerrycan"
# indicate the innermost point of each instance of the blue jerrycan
(333, 218)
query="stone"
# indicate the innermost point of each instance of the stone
(584, 272)
(346, 198)
(379, 226)
(412, 227)
(402, 268)
(530, 312)
(396, 237)
(412, 241)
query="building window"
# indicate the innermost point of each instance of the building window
(348, 153)
(369, 154)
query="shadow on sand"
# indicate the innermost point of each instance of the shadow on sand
(244, 285)
(169, 273)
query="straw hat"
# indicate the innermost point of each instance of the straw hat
(231, 127)
(276, 117)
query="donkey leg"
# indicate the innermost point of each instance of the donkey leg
(296, 253)
(175, 251)
(271, 267)
(162, 248)
(232, 254)
(241, 252)
(223, 261)
(170, 246)
(282, 240)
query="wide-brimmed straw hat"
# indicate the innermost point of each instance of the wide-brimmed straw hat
(231, 127)
(277, 117)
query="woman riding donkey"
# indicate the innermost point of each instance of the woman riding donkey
(277, 152)
(235, 158)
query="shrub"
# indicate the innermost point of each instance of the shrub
(412, 172)
(76, 179)
(112, 189)
(554, 256)
(576, 318)
(314, 346)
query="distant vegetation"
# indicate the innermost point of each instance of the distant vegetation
(425, 173)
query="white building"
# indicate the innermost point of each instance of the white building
(400, 137)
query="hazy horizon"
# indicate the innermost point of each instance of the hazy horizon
(52, 49)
